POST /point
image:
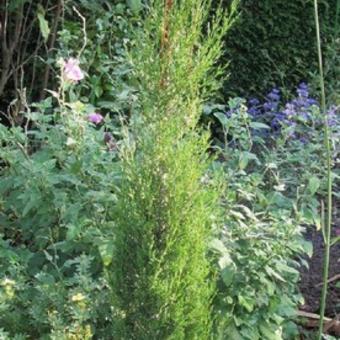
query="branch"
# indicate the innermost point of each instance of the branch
(84, 31)
(52, 41)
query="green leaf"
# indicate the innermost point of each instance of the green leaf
(73, 231)
(32, 203)
(257, 125)
(274, 274)
(335, 240)
(227, 275)
(106, 253)
(218, 245)
(48, 256)
(317, 222)
(224, 261)
(270, 333)
(43, 23)
(244, 159)
(233, 333)
(223, 119)
(135, 5)
(313, 184)
(210, 108)
(227, 269)
(247, 302)
(282, 267)
(307, 247)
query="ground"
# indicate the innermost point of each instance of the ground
(311, 278)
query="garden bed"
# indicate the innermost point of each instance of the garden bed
(311, 278)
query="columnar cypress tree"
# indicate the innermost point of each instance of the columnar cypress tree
(166, 207)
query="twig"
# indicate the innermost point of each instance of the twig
(52, 41)
(314, 319)
(332, 279)
(22, 149)
(84, 31)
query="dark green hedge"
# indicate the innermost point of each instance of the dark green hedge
(273, 43)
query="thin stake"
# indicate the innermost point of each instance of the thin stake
(327, 231)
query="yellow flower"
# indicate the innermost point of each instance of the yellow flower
(78, 297)
(7, 282)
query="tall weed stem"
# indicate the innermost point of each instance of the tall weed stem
(328, 222)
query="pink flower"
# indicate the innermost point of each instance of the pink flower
(72, 70)
(95, 118)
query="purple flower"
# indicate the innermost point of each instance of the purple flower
(107, 137)
(72, 70)
(95, 118)
(312, 101)
(289, 111)
(305, 115)
(303, 90)
(331, 115)
(253, 102)
(254, 107)
(274, 95)
(270, 106)
(277, 120)
(110, 141)
(273, 99)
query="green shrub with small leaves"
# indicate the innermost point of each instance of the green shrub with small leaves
(167, 207)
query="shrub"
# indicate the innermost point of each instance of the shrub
(165, 212)
(57, 182)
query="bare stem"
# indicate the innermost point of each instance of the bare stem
(84, 31)
(328, 222)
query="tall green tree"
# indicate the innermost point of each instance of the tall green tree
(168, 204)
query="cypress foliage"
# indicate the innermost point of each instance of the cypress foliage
(166, 205)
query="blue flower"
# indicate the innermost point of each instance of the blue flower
(273, 99)
(331, 116)
(274, 95)
(303, 90)
(290, 110)
(253, 102)
(312, 101)
(270, 106)
(254, 107)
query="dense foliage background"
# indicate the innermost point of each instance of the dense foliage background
(253, 49)
(273, 44)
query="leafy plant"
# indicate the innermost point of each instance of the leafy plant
(57, 184)
(267, 202)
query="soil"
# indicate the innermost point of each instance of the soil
(311, 277)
